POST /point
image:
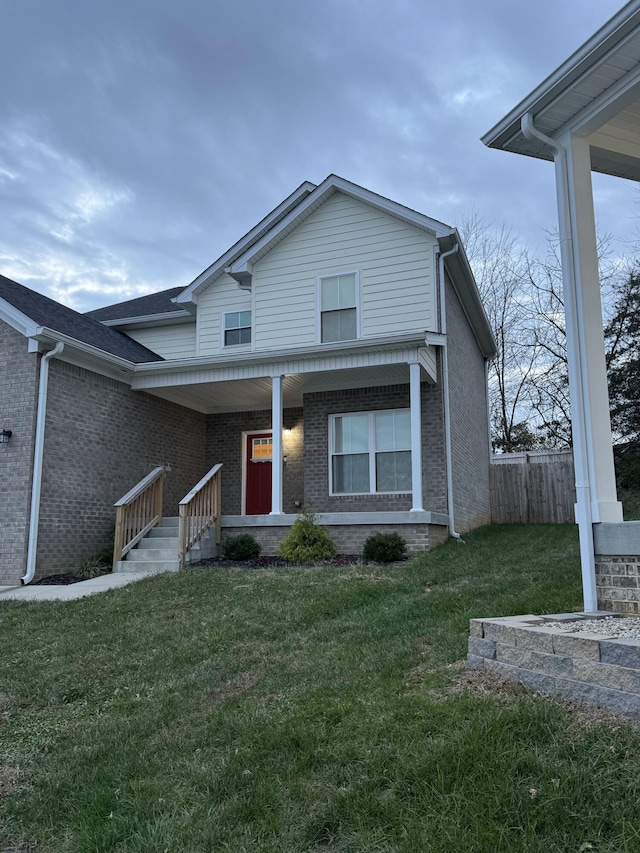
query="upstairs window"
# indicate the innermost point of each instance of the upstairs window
(237, 328)
(339, 308)
(370, 452)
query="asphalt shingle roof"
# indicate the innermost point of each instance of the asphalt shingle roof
(46, 312)
(154, 303)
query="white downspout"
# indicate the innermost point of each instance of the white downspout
(445, 383)
(38, 456)
(584, 516)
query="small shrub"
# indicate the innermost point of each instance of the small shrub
(307, 542)
(243, 547)
(385, 548)
(92, 568)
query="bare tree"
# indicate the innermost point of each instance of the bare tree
(501, 268)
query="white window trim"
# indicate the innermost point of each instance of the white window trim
(356, 273)
(226, 311)
(372, 455)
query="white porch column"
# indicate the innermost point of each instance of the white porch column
(591, 424)
(276, 462)
(416, 438)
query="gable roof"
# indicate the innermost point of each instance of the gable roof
(37, 314)
(237, 262)
(595, 91)
(152, 303)
(136, 310)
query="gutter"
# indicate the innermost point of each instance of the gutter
(38, 456)
(445, 382)
(584, 513)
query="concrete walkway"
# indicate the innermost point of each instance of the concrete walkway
(71, 591)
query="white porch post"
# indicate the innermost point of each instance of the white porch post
(276, 463)
(596, 498)
(416, 438)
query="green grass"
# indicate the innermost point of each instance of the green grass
(305, 710)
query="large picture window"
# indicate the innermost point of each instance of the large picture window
(339, 308)
(370, 452)
(237, 328)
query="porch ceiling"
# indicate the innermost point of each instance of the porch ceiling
(255, 394)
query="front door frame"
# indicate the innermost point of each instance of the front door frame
(245, 436)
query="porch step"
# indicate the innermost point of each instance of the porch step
(157, 552)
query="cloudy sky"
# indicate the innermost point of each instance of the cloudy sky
(140, 138)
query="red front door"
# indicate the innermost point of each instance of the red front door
(258, 485)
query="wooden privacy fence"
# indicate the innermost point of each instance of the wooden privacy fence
(533, 488)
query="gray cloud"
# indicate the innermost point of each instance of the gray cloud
(140, 138)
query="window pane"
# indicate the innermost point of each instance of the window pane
(232, 337)
(330, 296)
(393, 472)
(351, 473)
(245, 335)
(244, 318)
(393, 431)
(339, 325)
(330, 326)
(351, 434)
(347, 287)
(231, 320)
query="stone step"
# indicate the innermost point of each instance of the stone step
(147, 566)
(166, 543)
(143, 554)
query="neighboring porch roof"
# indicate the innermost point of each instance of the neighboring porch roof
(594, 94)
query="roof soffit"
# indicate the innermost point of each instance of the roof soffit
(593, 87)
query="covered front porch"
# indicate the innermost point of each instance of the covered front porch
(269, 423)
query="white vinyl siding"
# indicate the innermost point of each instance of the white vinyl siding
(222, 296)
(396, 274)
(370, 452)
(177, 341)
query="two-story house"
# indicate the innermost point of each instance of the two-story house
(334, 358)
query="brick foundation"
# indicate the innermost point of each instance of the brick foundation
(349, 538)
(590, 668)
(618, 583)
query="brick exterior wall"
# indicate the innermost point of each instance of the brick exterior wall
(18, 396)
(618, 583)
(318, 407)
(469, 429)
(224, 443)
(350, 538)
(101, 438)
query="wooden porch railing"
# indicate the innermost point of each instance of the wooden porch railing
(137, 512)
(198, 511)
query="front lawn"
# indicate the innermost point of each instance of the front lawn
(306, 709)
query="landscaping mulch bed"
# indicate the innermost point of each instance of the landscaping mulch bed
(215, 562)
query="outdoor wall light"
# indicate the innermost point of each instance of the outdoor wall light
(5, 435)
(287, 431)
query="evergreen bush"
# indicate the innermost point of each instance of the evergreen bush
(243, 547)
(385, 548)
(307, 542)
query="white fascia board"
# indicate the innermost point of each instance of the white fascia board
(329, 186)
(250, 359)
(189, 294)
(85, 355)
(168, 318)
(16, 319)
(614, 33)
